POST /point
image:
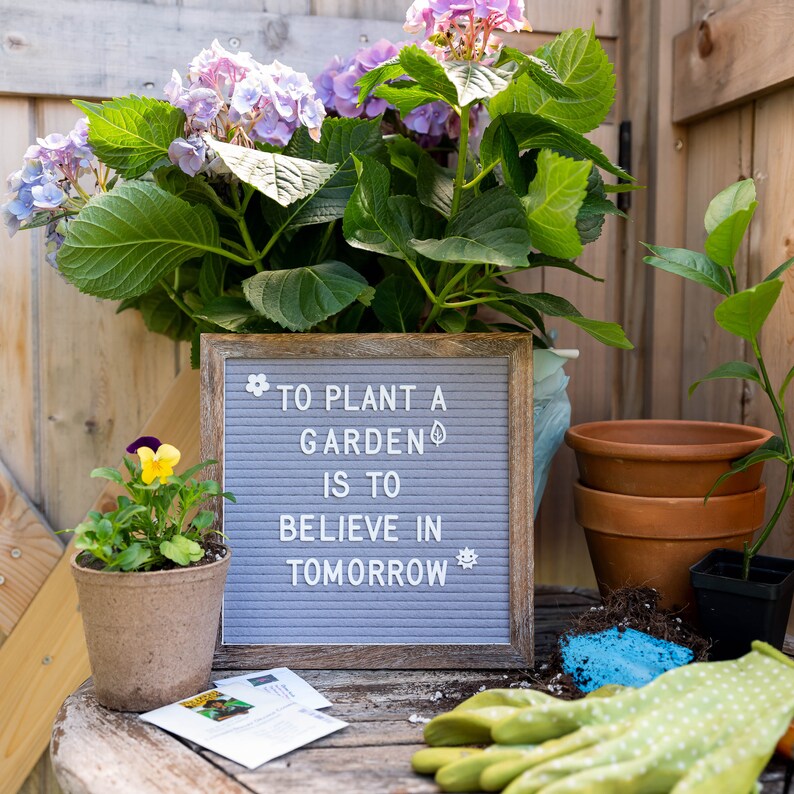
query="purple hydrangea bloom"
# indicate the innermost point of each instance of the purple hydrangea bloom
(430, 122)
(336, 84)
(56, 233)
(47, 196)
(438, 16)
(188, 154)
(231, 93)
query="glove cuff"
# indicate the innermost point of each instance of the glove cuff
(768, 650)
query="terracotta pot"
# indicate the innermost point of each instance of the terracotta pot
(649, 457)
(150, 636)
(641, 540)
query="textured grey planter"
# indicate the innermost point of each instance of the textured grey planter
(150, 636)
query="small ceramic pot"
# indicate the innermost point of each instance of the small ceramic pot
(150, 636)
(647, 457)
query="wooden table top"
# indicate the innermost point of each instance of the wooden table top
(97, 751)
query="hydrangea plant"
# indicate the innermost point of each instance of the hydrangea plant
(251, 199)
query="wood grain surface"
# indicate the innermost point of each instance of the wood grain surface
(29, 550)
(717, 61)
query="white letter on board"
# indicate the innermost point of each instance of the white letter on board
(294, 564)
(303, 403)
(438, 400)
(436, 570)
(396, 572)
(332, 575)
(313, 580)
(376, 572)
(417, 578)
(332, 394)
(406, 390)
(308, 444)
(331, 444)
(358, 578)
(286, 528)
(285, 390)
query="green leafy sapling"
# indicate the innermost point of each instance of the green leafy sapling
(162, 521)
(742, 313)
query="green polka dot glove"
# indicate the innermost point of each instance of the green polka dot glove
(707, 728)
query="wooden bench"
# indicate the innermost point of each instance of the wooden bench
(96, 751)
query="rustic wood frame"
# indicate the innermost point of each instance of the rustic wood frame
(517, 348)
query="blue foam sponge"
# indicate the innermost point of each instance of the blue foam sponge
(627, 657)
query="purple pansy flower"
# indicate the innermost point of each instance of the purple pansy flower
(144, 441)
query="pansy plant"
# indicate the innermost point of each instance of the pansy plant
(160, 522)
(250, 199)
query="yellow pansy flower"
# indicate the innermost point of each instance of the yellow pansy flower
(158, 464)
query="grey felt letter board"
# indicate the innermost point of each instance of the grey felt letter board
(383, 486)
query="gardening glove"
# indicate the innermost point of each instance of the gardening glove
(699, 729)
(461, 768)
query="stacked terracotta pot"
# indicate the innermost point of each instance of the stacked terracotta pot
(641, 493)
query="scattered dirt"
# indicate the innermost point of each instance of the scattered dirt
(634, 608)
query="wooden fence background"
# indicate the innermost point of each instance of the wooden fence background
(77, 382)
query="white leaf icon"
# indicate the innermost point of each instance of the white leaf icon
(438, 433)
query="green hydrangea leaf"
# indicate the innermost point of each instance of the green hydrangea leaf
(535, 132)
(132, 134)
(300, 298)
(377, 221)
(281, 178)
(553, 201)
(492, 229)
(429, 73)
(475, 81)
(123, 242)
(341, 141)
(577, 58)
(398, 303)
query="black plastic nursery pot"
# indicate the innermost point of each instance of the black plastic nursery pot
(734, 612)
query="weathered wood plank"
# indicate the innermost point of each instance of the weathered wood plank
(19, 261)
(717, 61)
(772, 242)
(94, 406)
(720, 152)
(167, 764)
(543, 16)
(33, 61)
(29, 550)
(45, 657)
(668, 148)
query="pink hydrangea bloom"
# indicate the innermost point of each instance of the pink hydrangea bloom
(235, 97)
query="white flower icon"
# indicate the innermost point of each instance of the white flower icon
(467, 559)
(257, 384)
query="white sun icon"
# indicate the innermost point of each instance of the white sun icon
(467, 559)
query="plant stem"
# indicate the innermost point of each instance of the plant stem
(463, 156)
(176, 299)
(751, 551)
(477, 179)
